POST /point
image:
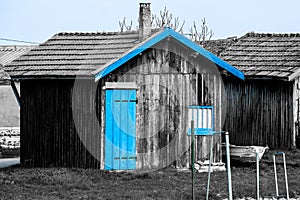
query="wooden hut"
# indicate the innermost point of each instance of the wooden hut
(116, 100)
(264, 109)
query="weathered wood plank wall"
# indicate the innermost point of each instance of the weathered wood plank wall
(167, 84)
(260, 112)
(48, 133)
(296, 112)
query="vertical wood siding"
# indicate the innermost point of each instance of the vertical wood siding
(296, 114)
(48, 133)
(167, 84)
(260, 112)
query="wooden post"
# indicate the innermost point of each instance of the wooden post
(257, 176)
(209, 166)
(193, 160)
(228, 166)
(286, 178)
(16, 93)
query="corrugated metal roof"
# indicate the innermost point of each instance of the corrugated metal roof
(69, 54)
(265, 55)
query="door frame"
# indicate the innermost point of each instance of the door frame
(114, 86)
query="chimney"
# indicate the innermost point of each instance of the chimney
(144, 21)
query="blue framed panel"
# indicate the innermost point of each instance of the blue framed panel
(120, 130)
(203, 117)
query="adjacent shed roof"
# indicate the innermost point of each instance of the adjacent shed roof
(4, 77)
(8, 53)
(69, 54)
(265, 55)
(86, 54)
(218, 46)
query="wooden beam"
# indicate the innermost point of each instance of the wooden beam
(16, 92)
(120, 85)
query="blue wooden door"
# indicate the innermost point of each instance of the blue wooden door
(120, 130)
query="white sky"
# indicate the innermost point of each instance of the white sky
(38, 20)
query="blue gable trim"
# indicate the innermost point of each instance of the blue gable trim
(157, 38)
(215, 59)
(147, 44)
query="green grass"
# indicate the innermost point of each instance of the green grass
(62, 183)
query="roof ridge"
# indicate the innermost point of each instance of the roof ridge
(253, 34)
(78, 33)
(93, 33)
(16, 47)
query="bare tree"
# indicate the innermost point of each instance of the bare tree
(123, 25)
(167, 19)
(201, 34)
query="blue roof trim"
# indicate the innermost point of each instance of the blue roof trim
(207, 54)
(157, 38)
(133, 53)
